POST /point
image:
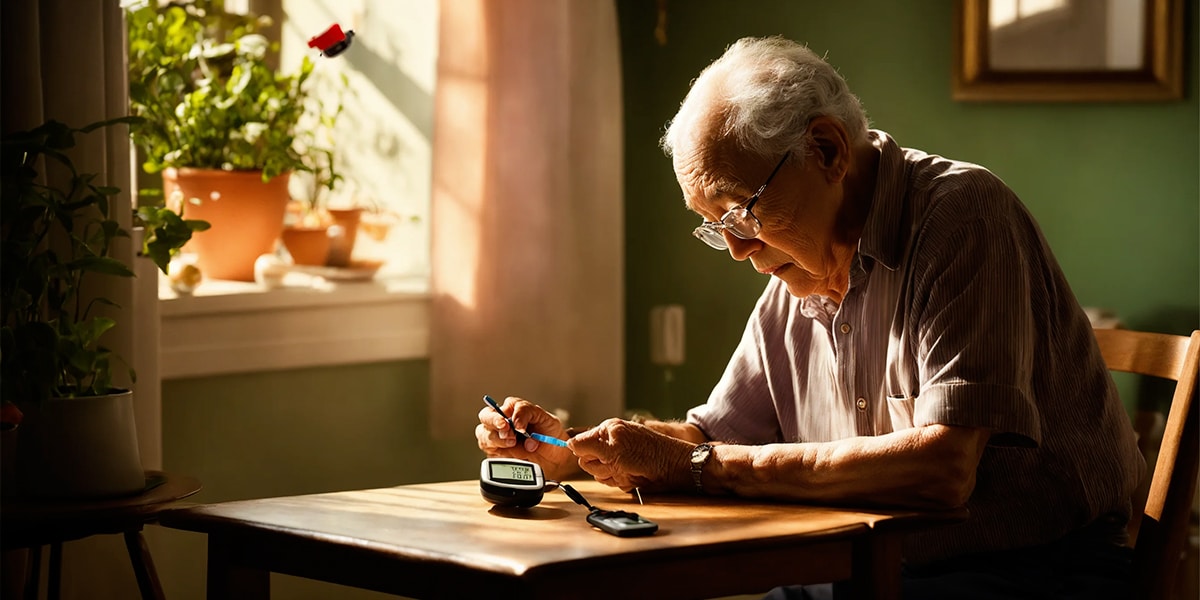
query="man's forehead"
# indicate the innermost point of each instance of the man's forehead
(710, 166)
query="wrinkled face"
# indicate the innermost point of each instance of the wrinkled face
(798, 210)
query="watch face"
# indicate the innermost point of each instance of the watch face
(700, 453)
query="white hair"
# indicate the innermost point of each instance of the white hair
(760, 96)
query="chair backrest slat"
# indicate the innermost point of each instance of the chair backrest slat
(1165, 515)
(1155, 354)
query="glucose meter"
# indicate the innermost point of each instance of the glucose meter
(511, 482)
(517, 483)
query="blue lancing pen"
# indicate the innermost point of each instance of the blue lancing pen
(520, 434)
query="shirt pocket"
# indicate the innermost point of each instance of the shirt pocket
(900, 409)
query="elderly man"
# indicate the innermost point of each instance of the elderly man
(917, 345)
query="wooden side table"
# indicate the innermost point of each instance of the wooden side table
(30, 523)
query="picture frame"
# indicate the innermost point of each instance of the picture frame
(1062, 51)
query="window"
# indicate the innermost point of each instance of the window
(384, 135)
(384, 138)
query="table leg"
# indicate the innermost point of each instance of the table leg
(875, 568)
(143, 565)
(33, 574)
(14, 570)
(54, 579)
(228, 580)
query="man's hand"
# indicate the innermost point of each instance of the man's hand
(497, 439)
(630, 455)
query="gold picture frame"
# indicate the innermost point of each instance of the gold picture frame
(985, 37)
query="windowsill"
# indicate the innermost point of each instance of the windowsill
(231, 327)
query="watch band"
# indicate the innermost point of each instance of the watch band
(700, 455)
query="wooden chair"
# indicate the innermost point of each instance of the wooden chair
(1164, 521)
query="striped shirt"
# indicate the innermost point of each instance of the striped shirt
(958, 314)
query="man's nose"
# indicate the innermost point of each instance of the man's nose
(740, 249)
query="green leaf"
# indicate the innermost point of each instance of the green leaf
(128, 120)
(58, 136)
(165, 233)
(89, 332)
(100, 264)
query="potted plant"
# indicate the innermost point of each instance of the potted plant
(57, 232)
(315, 229)
(307, 233)
(220, 124)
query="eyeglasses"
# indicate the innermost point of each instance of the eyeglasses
(739, 221)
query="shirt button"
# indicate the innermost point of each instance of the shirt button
(845, 328)
(862, 403)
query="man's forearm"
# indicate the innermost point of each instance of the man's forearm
(679, 430)
(920, 467)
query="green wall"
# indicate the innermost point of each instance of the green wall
(308, 430)
(1113, 185)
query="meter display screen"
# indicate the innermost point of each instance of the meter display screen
(511, 482)
(511, 472)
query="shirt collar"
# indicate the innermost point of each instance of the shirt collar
(881, 233)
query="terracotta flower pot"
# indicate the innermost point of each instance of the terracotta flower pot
(341, 248)
(307, 245)
(246, 216)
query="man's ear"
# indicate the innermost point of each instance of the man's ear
(831, 146)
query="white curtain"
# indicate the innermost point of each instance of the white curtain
(527, 215)
(65, 60)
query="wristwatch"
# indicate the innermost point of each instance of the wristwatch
(700, 456)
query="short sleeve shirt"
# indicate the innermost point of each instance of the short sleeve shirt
(958, 314)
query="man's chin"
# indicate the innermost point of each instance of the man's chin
(799, 289)
(804, 288)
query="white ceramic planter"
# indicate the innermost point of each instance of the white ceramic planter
(79, 448)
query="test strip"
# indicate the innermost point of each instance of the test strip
(545, 438)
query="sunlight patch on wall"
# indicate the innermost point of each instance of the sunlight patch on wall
(460, 185)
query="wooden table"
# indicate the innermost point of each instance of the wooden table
(443, 540)
(33, 523)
